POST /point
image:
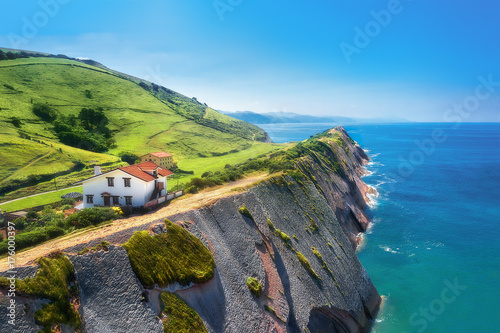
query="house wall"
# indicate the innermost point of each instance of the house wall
(165, 162)
(139, 190)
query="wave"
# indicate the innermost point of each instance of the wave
(388, 249)
(373, 199)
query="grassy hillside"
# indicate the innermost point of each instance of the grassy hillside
(143, 117)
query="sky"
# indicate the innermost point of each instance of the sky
(421, 60)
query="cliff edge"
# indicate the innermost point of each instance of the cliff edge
(294, 233)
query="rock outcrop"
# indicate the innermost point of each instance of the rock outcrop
(111, 296)
(298, 241)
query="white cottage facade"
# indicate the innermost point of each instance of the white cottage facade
(133, 185)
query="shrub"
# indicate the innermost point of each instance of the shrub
(314, 226)
(67, 201)
(272, 311)
(66, 207)
(101, 246)
(180, 317)
(91, 216)
(16, 122)
(32, 214)
(130, 158)
(245, 212)
(175, 256)
(307, 265)
(284, 237)
(83, 251)
(21, 223)
(34, 237)
(317, 254)
(254, 286)
(270, 224)
(44, 111)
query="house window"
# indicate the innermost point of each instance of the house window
(126, 182)
(111, 181)
(90, 199)
(116, 201)
(128, 201)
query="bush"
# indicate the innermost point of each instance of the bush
(307, 265)
(270, 224)
(32, 214)
(44, 111)
(34, 237)
(284, 237)
(130, 158)
(254, 286)
(21, 223)
(91, 216)
(16, 122)
(67, 201)
(66, 207)
(245, 212)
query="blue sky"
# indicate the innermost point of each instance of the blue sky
(421, 60)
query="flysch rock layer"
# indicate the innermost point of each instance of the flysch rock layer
(242, 247)
(111, 295)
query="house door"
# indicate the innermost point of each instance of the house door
(106, 201)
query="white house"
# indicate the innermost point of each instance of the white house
(133, 185)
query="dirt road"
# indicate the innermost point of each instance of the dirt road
(185, 203)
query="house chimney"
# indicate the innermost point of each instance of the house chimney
(97, 170)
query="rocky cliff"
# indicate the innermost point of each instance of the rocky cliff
(296, 234)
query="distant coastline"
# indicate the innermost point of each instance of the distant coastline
(295, 118)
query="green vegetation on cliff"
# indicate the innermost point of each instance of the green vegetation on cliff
(52, 281)
(174, 256)
(254, 286)
(180, 318)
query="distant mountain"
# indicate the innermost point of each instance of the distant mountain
(290, 117)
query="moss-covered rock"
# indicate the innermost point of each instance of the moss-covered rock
(180, 317)
(176, 256)
(52, 282)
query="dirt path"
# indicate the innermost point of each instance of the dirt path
(185, 203)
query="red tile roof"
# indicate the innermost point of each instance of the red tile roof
(139, 171)
(160, 154)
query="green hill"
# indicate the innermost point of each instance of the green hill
(143, 117)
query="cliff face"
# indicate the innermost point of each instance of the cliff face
(344, 191)
(297, 241)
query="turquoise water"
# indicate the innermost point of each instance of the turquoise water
(433, 247)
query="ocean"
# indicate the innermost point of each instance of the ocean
(433, 248)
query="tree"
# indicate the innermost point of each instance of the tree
(44, 111)
(2, 55)
(16, 122)
(130, 158)
(91, 118)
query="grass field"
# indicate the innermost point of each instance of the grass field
(143, 117)
(39, 200)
